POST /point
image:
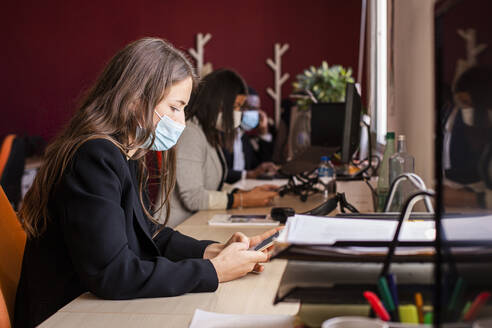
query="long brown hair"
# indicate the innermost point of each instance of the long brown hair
(124, 97)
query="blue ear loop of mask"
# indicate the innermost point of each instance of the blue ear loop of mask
(167, 134)
(250, 120)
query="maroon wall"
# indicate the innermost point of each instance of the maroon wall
(467, 14)
(54, 49)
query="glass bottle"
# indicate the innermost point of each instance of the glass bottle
(399, 163)
(383, 180)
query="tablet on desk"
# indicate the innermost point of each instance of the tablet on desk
(242, 219)
(245, 218)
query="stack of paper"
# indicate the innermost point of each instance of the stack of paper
(317, 236)
(305, 229)
(312, 230)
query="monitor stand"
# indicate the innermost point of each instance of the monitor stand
(308, 160)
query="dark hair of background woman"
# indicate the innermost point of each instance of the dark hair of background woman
(217, 93)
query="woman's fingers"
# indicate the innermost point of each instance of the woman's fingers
(255, 240)
(258, 268)
(256, 257)
(267, 187)
(240, 237)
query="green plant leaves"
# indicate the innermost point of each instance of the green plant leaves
(327, 84)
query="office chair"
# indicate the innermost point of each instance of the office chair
(12, 243)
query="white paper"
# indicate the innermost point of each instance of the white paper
(303, 229)
(205, 319)
(467, 228)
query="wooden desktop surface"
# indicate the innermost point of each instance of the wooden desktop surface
(252, 294)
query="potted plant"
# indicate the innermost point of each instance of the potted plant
(323, 84)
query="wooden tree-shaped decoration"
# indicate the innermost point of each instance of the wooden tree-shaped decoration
(472, 52)
(279, 78)
(199, 53)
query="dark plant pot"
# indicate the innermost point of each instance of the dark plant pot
(326, 124)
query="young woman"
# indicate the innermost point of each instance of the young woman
(213, 116)
(87, 217)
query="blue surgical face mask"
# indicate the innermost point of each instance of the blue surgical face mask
(250, 120)
(167, 134)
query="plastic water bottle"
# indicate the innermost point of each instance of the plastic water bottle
(327, 177)
(383, 179)
(399, 163)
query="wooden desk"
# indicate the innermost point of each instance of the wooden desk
(252, 294)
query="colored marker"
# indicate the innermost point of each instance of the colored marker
(377, 306)
(428, 318)
(458, 290)
(419, 302)
(385, 293)
(466, 308)
(408, 313)
(391, 279)
(476, 306)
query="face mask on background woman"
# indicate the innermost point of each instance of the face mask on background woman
(236, 117)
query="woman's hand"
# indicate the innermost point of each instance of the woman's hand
(256, 197)
(213, 250)
(253, 241)
(235, 261)
(265, 167)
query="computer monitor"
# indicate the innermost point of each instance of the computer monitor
(351, 126)
(327, 121)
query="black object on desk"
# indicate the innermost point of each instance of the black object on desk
(332, 204)
(282, 213)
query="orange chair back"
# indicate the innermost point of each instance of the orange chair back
(5, 151)
(12, 243)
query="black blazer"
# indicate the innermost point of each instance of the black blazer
(252, 157)
(99, 240)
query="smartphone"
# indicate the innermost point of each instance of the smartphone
(266, 242)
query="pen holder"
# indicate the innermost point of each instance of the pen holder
(354, 322)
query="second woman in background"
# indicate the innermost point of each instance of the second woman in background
(213, 114)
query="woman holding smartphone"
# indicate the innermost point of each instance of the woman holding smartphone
(87, 215)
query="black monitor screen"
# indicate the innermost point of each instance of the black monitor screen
(327, 120)
(351, 127)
